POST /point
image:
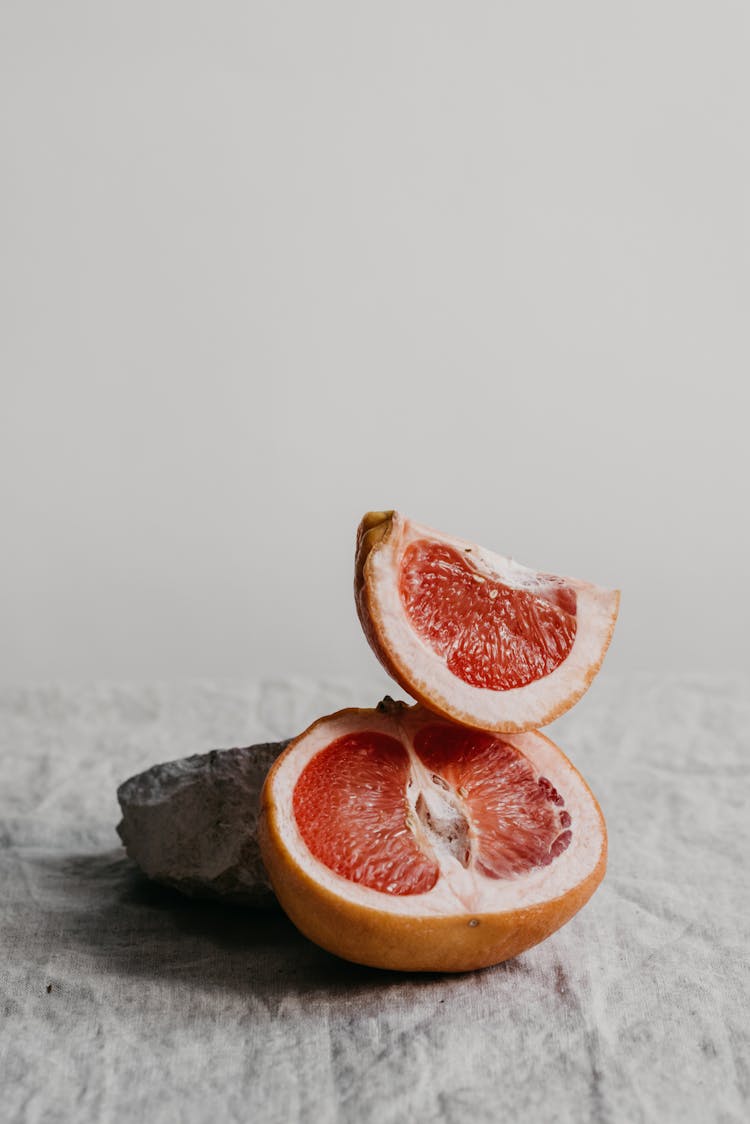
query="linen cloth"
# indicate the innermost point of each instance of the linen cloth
(122, 1001)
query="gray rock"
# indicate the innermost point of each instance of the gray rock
(191, 824)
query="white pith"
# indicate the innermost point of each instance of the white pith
(459, 890)
(426, 671)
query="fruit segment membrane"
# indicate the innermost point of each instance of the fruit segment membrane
(490, 634)
(393, 817)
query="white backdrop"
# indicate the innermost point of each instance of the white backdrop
(266, 265)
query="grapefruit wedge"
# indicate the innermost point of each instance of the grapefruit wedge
(474, 635)
(400, 840)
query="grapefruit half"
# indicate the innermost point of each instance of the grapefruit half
(473, 635)
(396, 839)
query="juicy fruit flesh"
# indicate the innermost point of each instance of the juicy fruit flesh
(374, 815)
(490, 634)
(351, 809)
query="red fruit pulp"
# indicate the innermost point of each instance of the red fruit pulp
(513, 811)
(353, 808)
(350, 806)
(490, 634)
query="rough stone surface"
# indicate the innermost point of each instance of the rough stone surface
(191, 824)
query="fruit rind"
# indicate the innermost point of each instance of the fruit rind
(413, 944)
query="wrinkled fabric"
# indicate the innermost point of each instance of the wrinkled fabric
(122, 1001)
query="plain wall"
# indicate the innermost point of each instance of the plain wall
(264, 266)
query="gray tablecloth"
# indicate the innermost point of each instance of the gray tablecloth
(121, 1001)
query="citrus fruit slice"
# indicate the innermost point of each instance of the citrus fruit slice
(473, 635)
(395, 838)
